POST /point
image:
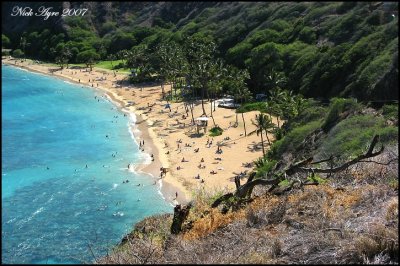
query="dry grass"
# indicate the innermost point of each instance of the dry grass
(377, 240)
(209, 220)
(357, 223)
(392, 211)
(214, 220)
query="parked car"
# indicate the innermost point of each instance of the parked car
(261, 97)
(228, 103)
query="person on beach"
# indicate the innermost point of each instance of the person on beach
(176, 195)
(202, 160)
(129, 165)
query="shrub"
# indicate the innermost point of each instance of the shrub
(351, 136)
(216, 131)
(308, 115)
(248, 107)
(17, 53)
(390, 111)
(337, 108)
(264, 166)
(291, 141)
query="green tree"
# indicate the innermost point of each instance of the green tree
(268, 127)
(261, 123)
(217, 75)
(137, 59)
(17, 53)
(263, 59)
(236, 83)
(112, 57)
(5, 41)
(200, 56)
(89, 57)
(23, 43)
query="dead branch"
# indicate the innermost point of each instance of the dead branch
(245, 191)
(387, 163)
(344, 166)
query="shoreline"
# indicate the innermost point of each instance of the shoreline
(139, 130)
(194, 159)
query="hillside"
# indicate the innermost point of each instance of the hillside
(349, 216)
(322, 49)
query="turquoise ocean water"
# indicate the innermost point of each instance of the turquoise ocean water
(54, 207)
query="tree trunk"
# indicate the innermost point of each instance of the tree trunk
(162, 89)
(202, 100)
(262, 143)
(244, 125)
(214, 101)
(213, 120)
(212, 112)
(191, 111)
(266, 134)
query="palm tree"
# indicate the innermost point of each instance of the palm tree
(277, 99)
(111, 58)
(268, 127)
(200, 56)
(236, 82)
(67, 54)
(276, 80)
(23, 44)
(244, 95)
(217, 73)
(261, 125)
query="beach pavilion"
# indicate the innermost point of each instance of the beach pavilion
(201, 122)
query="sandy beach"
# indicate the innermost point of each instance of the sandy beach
(192, 161)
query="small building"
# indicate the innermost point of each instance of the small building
(201, 122)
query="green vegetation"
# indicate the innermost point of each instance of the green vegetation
(292, 140)
(17, 53)
(256, 106)
(264, 166)
(339, 109)
(317, 178)
(5, 41)
(351, 136)
(318, 49)
(89, 57)
(216, 131)
(390, 111)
